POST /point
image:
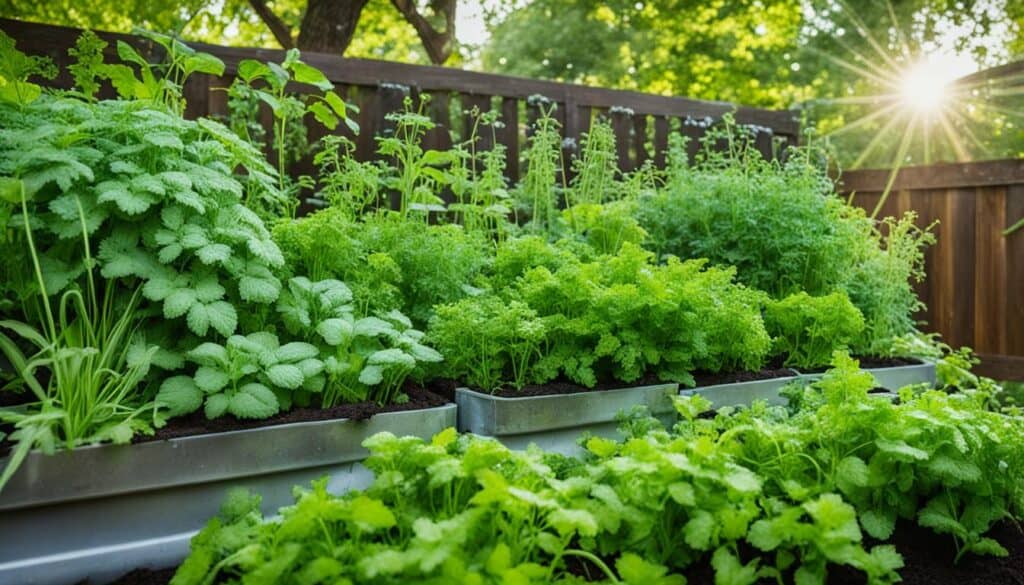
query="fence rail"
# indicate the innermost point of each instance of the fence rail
(642, 122)
(975, 284)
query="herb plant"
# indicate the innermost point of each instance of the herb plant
(760, 494)
(807, 330)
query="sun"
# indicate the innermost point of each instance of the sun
(924, 87)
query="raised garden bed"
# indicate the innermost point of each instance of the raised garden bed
(555, 422)
(100, 511)
(888, 376)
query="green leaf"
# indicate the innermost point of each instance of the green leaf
(11, 190)
(900, 450)
(337, 104)
(285, 376)
(371, 515)
(878, 523)
(729, 570)
(250, 70)
(699, 530)
(211, 379)
(180, 395)
(216, 406)
(324, 115)
(311, 75)
(203, 63)
(253, 401)
(296, 351)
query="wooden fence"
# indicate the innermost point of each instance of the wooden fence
(975, 284)
(642, 122)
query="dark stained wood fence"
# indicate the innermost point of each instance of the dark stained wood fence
(975, 284)
(642, 122)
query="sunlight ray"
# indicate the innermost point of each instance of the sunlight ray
(897, 163)
(875, 141)
(954, 140)
(862, 121)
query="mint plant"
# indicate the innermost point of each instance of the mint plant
(155, 195)
(249, 377)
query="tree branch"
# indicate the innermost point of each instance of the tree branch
(277, 26)
(438, 43)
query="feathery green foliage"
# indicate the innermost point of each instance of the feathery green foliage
(615, 318)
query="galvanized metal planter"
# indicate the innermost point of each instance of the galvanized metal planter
(555, 422)
(896, 377)
(745, 393)
(98, 512)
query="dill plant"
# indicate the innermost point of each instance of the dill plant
(786, 232)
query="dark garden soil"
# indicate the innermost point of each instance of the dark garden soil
(873, 362)
(197, 423)
(562, 386)
(929, 559)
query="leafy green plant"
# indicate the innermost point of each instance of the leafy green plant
(85, 352)
(347, 184)
(364, 359)
(596, 169)
(487, 341)
(416, 176)
(807, 330)
(537, 192)
(616, 318)
(881, 282)
(268, 83)
(477, 180)
(249, 377)
(154, 194)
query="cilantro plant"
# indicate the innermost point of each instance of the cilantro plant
(807, 330)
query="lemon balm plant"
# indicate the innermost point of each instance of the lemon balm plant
(118, 213)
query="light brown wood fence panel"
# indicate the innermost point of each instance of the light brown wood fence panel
(975, 285)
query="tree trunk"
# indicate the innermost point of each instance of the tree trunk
(328, 25)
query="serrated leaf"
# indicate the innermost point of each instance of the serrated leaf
(209, 354)
(214, 254)
(216, 406)
(879, 524)
(211, 379)
(164, 140)
(285, 376)
(179, 302)
(699, 530)
(371, 515)
(180, 395)
(253, 401)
